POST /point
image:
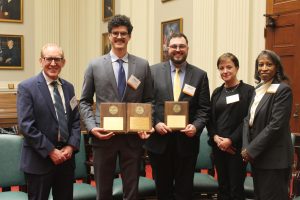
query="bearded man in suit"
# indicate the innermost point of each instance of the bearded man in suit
(173, 154)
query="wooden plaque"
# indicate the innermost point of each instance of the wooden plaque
(113, 117)
(176, 114)
(139, 117)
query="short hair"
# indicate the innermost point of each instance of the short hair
(177, 35)
(230, 56)
(280, 75)
(51, 45)
(120, 20)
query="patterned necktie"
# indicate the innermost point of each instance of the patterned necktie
(176, 85)
(60, 111)
(121, 79)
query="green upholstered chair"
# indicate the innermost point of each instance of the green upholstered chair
(10, 174)
(204, 183)
(82, 191)
(146, 185)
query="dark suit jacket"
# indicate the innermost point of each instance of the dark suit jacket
(198, 107)
(268, 141)
(238, 111)
(100, 79)
(38, 123)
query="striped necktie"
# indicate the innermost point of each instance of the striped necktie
(61, 115)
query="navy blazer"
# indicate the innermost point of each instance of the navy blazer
(268, 141)
(199, 107)
(38, 123)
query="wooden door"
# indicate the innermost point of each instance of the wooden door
(283, 37)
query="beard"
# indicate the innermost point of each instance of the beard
(176, 61)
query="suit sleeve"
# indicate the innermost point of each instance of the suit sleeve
(280, 115)
(203, 101)
(148, 88)
(27, 121)
(86, 99)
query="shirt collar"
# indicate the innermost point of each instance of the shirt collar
(114, 58)
(182, 68)
(49, 80)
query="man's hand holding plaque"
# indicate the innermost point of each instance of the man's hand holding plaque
(176, 115)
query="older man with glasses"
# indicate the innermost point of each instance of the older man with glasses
(49, 119)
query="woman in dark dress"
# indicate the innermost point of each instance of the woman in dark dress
(229, 104)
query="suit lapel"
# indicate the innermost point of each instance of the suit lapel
(187, 79)
(110, 73)
(44, 90)
(167, 72)
(67, 97)
(131, 70)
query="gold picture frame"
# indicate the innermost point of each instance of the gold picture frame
(106, 46)
(167, 29)
(108, 9)
(11, 11)
(11, 52)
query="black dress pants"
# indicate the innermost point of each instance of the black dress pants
(231, 172)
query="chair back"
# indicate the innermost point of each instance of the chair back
(10, 154)
(204, 157)
(80, 161)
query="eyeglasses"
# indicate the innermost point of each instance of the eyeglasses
(50, 59)
(116, 34)
(175, 46)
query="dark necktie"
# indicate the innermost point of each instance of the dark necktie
(121, 79)
(60, 111)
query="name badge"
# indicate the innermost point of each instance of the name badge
(133, 82)
(73, 103)
(273, 88)
(189, 90)
(232, 98)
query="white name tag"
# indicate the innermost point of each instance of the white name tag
(232, 98)
(273, 88)
(133, 82)
(189, 90)
(73, 103)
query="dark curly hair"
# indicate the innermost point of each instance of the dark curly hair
(120, 20)
(280, 75)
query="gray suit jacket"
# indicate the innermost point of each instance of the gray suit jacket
(268, 141)
(199, 107)
(100, 79)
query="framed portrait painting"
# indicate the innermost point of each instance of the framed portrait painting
(11, 11)
(108, 9)
(106, 46)
(167, 29)
(11, 52)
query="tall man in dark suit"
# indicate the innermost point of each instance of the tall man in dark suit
(49, 120)
(105, 76)
(173, 154)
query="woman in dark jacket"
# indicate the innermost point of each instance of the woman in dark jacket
(267, 136)
(230, 104)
